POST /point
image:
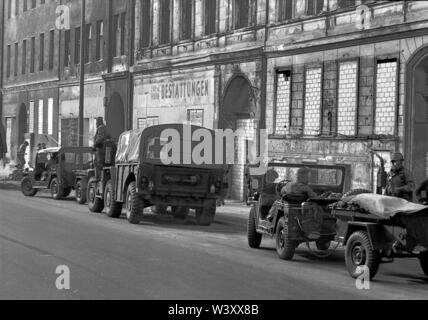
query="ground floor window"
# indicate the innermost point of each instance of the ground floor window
(195, 117)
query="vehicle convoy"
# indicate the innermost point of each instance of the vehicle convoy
(139, 179)
(370, 237)
(61, 170)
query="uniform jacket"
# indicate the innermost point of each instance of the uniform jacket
(400, 184)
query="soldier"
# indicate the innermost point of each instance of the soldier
(400, 181)
(21, 155)
(422, 192)
(300, 187)
(99, 140)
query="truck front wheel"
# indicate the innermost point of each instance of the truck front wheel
(360, 257)
(254, 238)
(205, 215)
(113, 208)
(95, 204)
(134, 205)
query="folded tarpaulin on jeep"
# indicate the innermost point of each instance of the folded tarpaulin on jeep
(384, 206)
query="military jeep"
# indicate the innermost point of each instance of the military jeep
(61, 170)
(139, 178)
(292, 219)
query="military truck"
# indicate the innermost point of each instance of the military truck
(61, 170)
(140, 179)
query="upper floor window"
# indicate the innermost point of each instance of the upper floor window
(33, 54)
(210, 16)
(284, 9)
(164, 21)
(145, 23)
(314, 7)
(8, 61)
(9, 9)
(241, 13)
(33, 4)
(25, 6)
(186, 14)
(99, 48)
(346, 3)
(67, 39)
(17, 7)
(51, 49)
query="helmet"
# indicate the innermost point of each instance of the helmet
(397, 157)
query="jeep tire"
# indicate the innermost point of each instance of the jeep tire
(254, 238)
(27, 188)
(285, 247)
(57, 191)
(360, 254)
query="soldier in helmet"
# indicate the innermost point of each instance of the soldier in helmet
(301, 186)
(99, 140)
(400, 181)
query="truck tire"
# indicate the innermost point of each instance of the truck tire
(113, 208)
(285, 247)
(27, 188)
(134, 205)
(95, 204)
(356, 192)
(57, 191)
(423, 258)
(180, 212)
(254, 238)
(81, 192)
(205, 215)
(359, 253)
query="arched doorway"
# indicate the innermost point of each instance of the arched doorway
(416, 113)
(22, 124)
(237, 111)
(115, 116)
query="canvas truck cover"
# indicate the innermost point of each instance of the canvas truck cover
(146, 145)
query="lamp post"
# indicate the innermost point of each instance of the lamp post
(82, 74)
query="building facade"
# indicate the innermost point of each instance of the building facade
(342, 81)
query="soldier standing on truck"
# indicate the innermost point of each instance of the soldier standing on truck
(99, 140)
(400, 181)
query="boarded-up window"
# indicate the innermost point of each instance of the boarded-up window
(41, 114)
(283, 93)
(347, 98)
(50, 115)
(386, 97)
(313, 91)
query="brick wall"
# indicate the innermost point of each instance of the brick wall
(347, 104)
(313, 96)
(282, 116)
(386, 85)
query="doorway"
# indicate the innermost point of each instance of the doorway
(115, 116)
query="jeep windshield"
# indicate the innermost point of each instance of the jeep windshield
(321, 178)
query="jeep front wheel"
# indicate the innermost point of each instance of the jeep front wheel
(205, 215)
(27, 188)
(80, 192)
(57, 191)
(113, 208)
(285, 247)
(134, 205)
(95, 204)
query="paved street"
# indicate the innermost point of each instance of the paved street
(167, 259)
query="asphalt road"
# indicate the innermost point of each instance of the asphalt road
(167, 259)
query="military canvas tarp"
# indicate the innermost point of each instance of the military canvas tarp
(386, 207)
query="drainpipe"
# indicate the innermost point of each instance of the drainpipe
(1, 56)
